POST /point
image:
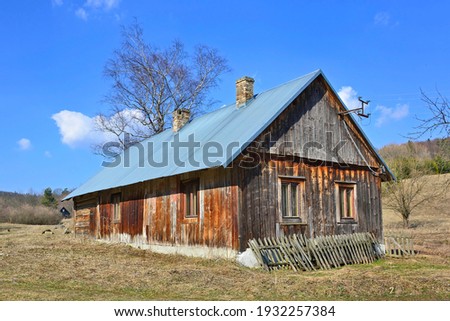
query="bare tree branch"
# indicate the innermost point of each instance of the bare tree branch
(439, 121)
(153, 83)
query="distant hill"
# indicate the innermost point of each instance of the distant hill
(430, 157)
(16, 199)
(32, 199)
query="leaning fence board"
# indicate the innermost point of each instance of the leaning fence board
(327, 251)
(318, 255)
(351, 254)
(288, 256)
(359, 256)
(358, 253)
(321, 245)
(341, 252)
(333, 251)
(360, 245)
(324, 252)
(300, 247)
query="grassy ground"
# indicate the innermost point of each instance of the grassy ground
(429, 225)
(36, 266)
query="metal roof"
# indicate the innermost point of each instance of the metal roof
(229, 128)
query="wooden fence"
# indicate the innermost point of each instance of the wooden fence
(399, 246)
(324, 252)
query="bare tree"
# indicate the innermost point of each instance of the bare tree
(149, 83)
(405, 195)
(439, 121)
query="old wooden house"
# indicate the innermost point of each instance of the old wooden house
(287, 160)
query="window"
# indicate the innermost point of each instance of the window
(115, 202)
(190, 190)
(346, 200)
(292, 198)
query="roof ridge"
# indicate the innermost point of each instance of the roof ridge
(262, 92)
(317, 71)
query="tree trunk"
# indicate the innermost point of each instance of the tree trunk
(405, 222)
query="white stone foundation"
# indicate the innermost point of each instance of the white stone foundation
(187, 250)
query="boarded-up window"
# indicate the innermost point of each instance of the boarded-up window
(190, 191)
(115, 202)
(346, 201)
(292, 198)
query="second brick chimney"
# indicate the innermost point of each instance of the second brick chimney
(180, 118)
(244, 90)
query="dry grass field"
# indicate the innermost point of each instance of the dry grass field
(36, 266)
(430, 225)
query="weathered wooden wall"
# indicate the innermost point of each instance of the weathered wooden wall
(85, 214)
(261, 213)
(152, 211)
(132, 210)
(216, 223)
(311, 128)
(303, 142)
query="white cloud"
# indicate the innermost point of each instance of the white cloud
(79, 130)
(81, 13)
(92, 6)
(349, 96)
(382, 18)
(57, 3)
(102, 4)
(386, 114)
(76, 129)
(48, 154)
(24, 144)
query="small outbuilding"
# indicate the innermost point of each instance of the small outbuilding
(64, 212)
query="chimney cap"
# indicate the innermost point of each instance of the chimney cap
(245, 78)
(179, 111)
(244, 90)
(180, 117)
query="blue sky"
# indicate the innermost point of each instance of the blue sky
(53, 53)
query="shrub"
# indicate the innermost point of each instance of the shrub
(27, 214)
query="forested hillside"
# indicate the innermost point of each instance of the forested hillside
(427, 157)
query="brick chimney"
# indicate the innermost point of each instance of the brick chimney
(244, 90)
(180, 118)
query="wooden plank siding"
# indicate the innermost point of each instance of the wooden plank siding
(153, 211)
(321, 207)
(85, 214)
(302, 142)
(311, 128)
